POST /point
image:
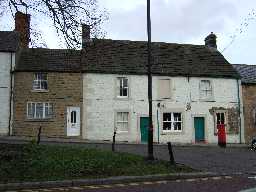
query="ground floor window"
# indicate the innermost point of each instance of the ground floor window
(172, 122)
(122, 121)
(39, 110)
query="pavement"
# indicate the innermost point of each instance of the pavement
(210, 159)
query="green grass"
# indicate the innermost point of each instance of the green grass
(45, 162)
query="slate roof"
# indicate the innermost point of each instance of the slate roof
(247, 73)
(9, 41)
(52, 60)
(130, 57)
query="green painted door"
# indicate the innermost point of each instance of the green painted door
(144, 121)
(199, 128)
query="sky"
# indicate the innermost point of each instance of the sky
(182, 21)
(188, 22)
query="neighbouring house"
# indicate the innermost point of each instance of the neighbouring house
(248, 75)
(9, 43)
(48, 93)
(194, 90)
(47, 90)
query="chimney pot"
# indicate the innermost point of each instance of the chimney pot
(85, 35)
(22, 25)
(211, 40)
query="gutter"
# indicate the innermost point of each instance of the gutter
(239, 111)
(11, 98)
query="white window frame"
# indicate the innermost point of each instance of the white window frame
(172, 121)
(203, 90)
(45, 105)
(40, 82)
(120, 85)
(124, 122)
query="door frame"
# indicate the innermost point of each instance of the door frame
(69, 107)
(205, 127)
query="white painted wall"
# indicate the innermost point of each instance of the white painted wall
(100, 104)
(5, 79)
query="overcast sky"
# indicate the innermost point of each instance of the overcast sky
(188, 21)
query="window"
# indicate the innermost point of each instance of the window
(164, 88)
(123, 87)
(220, 120)
(172, 122)
(73, 117)
(39, 110)
(122, 121)
(40, 81)
(205, 89)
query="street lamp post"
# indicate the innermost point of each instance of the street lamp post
(150, 128)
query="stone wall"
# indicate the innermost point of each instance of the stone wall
(101, 105)
(64, 89)
(249, 98)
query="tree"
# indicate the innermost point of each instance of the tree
(66, 16)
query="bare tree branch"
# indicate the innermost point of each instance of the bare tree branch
(66, 16)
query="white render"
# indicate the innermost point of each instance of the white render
(100, 105)
(7, 61)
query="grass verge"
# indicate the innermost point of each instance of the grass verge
(30, 162)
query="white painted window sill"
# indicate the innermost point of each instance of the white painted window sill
(40, 91)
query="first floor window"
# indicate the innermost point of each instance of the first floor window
(39, 110)
(122, 121)
(123, 87)
(40, 81)
(172, 122)
(205, 89)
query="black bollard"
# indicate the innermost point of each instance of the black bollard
(39, 135)
(171, 153)
(114, 140)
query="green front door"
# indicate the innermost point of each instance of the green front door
(144, 129)
(199, 129)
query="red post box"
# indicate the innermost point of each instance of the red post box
(221, 135)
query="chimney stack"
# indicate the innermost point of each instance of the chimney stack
(22, 25)
(85, 35)
(210, 41)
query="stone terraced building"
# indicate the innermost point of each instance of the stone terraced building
(194, 90)
(248, 75)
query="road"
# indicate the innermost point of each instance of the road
(211, 184)
(212, 158)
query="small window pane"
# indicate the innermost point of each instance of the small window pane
(125, 92)
(39, 110)
(167, 117)
(167, 125)
(125, 82)
(177, 126)
(177, 116)
(73, 117)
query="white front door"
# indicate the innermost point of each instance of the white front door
(73, 121)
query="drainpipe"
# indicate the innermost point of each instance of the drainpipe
(158, 131)
(239, 111)
(11, 98)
